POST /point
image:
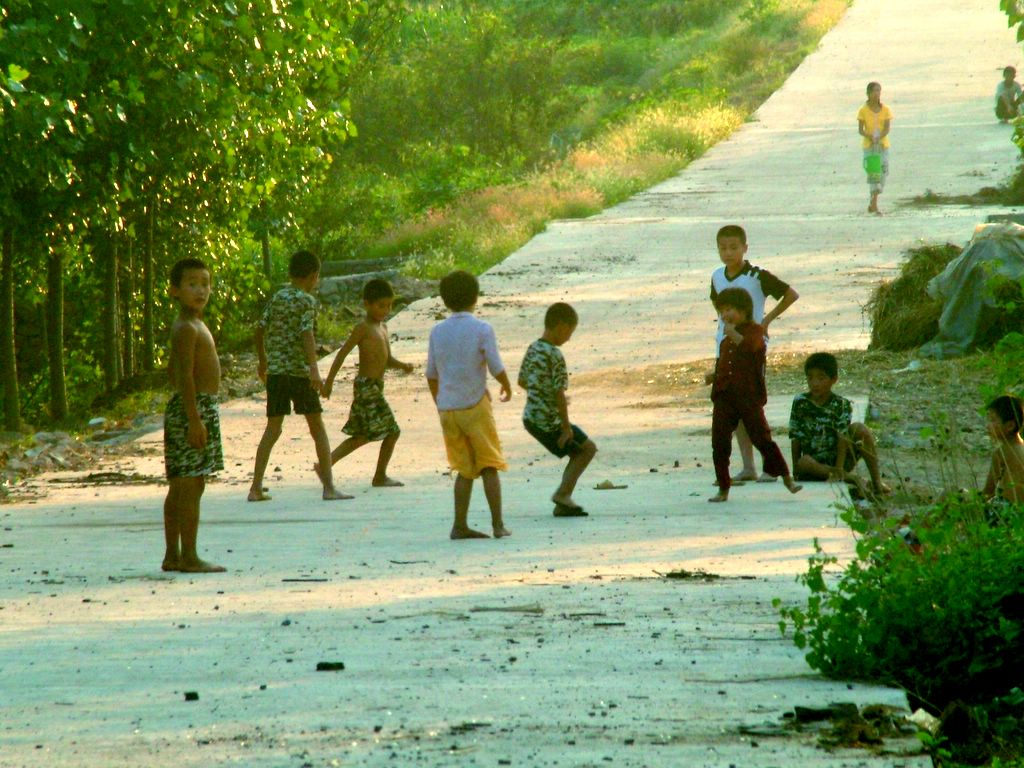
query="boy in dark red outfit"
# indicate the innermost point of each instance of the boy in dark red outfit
(738, 392)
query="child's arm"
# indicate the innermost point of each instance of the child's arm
(433, 386)
(261, 353)
(350, 343)
(394, 362)
(506, 386)
(563, 412)
(183, 345)
(309, 351)
(797, 450)
(787, 300)
(995, 472)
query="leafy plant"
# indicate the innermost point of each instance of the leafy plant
(944, 619)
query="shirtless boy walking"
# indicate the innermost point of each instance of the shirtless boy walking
(192, 447)
(370, 417)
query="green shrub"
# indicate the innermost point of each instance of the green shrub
(945, 622)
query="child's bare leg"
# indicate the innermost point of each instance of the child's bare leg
(571, 475)
(190, 491)
(809, 467)
(270, 435)
(749, 471)
(340, 452)
(869, 450)
(172, 528)
(323, 456)
(463, 493)
(380, 476)
(492, 489)
(719, 497)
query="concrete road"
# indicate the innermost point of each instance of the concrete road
(561, 645)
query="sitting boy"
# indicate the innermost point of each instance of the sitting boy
(1005, 482)
(826, 445)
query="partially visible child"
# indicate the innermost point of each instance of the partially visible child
(546, 416)
(737, 272)
(462, 349)
(1005, 480)
(370, 417)
(826, 443)
(192, 447)
(874, 120)
(1008, 96)
(286, 348)
(738, 392)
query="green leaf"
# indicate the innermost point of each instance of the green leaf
(16, 74)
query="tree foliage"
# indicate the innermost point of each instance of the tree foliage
(140, 131)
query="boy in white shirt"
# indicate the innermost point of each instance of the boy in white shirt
(462, 349)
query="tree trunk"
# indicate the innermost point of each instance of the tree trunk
(127, 291)
(265, 243)
(106, 261)
(8, 357)
(55, 333)
(115, 305)
(147, 291)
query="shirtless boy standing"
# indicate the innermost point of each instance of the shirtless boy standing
(370, 417)
(192, 448)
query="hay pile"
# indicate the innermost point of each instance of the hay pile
(903, 315)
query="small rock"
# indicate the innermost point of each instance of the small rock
(191, 696)
(330, 666)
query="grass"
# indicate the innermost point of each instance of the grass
(705, 88)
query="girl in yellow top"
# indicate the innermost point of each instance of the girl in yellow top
(873, 122)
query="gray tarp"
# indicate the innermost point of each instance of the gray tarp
(964, 286)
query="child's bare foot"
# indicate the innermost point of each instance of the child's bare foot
(170, 564)
(258, 495)
(386, 482)
(467, 533)
(501, 532)
(199, 566)
(333, 494)
(744, 476)
(791, 484)
(719, 497)
(565, 501)
(882, 488)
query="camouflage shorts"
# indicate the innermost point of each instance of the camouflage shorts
(370, 416)
(180, 458)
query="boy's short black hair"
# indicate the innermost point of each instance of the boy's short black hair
(179, 268)
(822, 361)
(732, 230)
(303, 264)
(738, 298)
(560, 313)
(459, 290)
(377, 289)
(1009, 408)
(1009, 71)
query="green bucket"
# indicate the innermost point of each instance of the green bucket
(873, 166)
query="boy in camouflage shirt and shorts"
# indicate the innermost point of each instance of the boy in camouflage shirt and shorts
(546, 416)
(286, 349)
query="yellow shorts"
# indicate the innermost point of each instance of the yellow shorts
(471, 439)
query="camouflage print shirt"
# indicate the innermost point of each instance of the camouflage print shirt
(289, 313)
(543, 373)
(818, 427)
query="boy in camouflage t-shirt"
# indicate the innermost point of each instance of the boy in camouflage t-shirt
(826, 442)
(546, 415)
(287, 364)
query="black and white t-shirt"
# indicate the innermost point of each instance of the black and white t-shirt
(759, 283)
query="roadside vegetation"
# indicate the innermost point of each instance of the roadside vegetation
(445, 134)
(934, 600)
